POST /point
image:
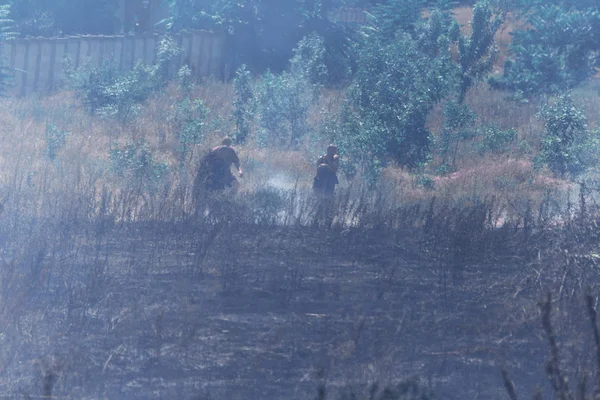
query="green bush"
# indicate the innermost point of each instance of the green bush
(395, 89)
(458, 124)
(189, 120)
(556, 52)
(495, 140)
(55, 140)
(166, 51)
(308, 60)
(137, 162)
(184, 79)
(123, 96)
(283, 102)
(107, 90)
(243, 104)
(565, 137)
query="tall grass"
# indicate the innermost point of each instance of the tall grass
(53, 210)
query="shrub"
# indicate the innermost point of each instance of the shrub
(184, 79)
(243, 104)
(565, 131)
(124, 95)
(283, 102)
(90, 81)
(55, 140)
(166, 51)
(109, 91)
(395, 89)
(557, 52)
(495, 140)
(308, 60)
(458, 119)
(189, 120)
(137, 162)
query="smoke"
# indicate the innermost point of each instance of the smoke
(283, 181)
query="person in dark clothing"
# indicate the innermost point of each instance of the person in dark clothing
(327, 167)
(214, 172)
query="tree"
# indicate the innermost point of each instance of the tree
(396, 87)
(64, 17)
(564, 128)
(476, 52)
(559, 51)
(262, 34)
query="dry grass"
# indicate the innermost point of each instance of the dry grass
(81, 173)
(109, 276)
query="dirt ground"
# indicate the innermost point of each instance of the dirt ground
(176, 312)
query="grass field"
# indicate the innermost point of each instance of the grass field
(110, 287)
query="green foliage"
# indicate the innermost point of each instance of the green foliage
(189, 14)
(137, 162)
(64, 17)
(109, 91)
(558, 51)
(458, 116)
(283, 102)
(436, 33)
(458, 123)
(395, 16)
(405, 69)
(90, 81)
(243, 104)
(55, 140)
(496, 140)
(166, 51)
(123, 95)
(263, 33)
(184, 79)
(476, 53)
(396, 87)
(565, 136)
(308, 60)
(189, 120)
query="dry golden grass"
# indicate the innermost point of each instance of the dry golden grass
(81, 175)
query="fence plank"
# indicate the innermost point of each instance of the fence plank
(37, 63)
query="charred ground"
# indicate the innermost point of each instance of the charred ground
(219, 307)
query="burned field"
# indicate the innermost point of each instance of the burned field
(238, 311)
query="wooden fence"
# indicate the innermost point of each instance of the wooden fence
(352, 17)
(37, 63)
